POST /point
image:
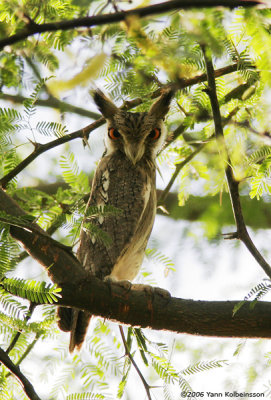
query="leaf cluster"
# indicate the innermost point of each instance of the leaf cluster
(143, 56)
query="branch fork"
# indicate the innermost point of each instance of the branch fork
(233, 184)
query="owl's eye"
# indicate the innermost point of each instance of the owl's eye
(155, 134)
(113, 133)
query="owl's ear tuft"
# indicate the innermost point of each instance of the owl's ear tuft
(105, 105)
(160, 108)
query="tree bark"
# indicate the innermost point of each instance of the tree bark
(142, 308)
(136, 306)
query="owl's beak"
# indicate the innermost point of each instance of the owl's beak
(134, 152)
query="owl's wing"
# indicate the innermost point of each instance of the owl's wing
(128, 188)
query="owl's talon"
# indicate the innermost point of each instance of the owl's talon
(141, 286)
(123, 283)
(162, 292)
(151, 291)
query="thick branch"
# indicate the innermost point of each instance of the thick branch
(15, 370)
(42, 248)
(233, 184)
(34, 28)
(136, 306)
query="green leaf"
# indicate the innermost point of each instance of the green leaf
(203, 366)
(87, 396)
(78, 181)
(37, 292)
(51, 128)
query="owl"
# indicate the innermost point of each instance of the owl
(124, 179)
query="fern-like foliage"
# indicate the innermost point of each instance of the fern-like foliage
(259, 155)
(21, 221)
(160, 258)
(164, 369)
(98, 234)
(13, 323)
(9, 252)
(254, 295)
(143, 56)
(87, 396)
(51, 128)
(9, 119)
(107, 362)
(37, 292)
(260, 183)
(203, 366)
(11, 305)
(78, 181)
(184, 386)
(124, 380)
(260, 290)
(30, 103)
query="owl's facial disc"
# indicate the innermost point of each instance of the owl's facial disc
(134, 151)
(137, 135)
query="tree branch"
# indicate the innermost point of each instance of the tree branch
(18, 334)
(257, 213)
(198, 147)
(178, 169)
(233, 184)
(41, 148)
(183, 83)
(52, 102)
(96, 20)
(26, 352)
(15, 370)
(84, 132)
(42, 247)
(136, 306)
(128, 354)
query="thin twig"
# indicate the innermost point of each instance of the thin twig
(181, 129)
(178, 169)
(233, 184)
(33, 28)
(15, 370)
(127, 352)
(183, 83)
(26, 352)
(41, 148)
(18, 334)
(84, 132)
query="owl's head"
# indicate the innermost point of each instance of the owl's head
(137, 135)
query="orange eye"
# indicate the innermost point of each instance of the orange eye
(155, 134)
(113, 133)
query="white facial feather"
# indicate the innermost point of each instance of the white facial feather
(109, 145)
(158, 144)
(135, 151)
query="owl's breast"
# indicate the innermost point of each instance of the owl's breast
(130, 189)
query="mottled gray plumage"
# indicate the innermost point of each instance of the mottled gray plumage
(124, 179)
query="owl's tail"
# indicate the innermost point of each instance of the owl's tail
(76, 322)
